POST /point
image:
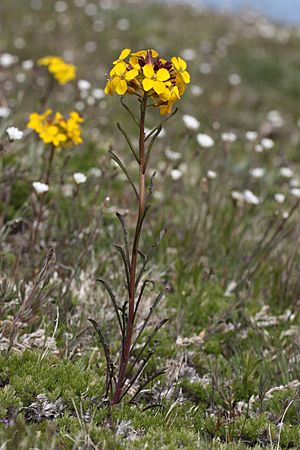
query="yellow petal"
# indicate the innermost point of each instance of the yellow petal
(159, 87)
(175, 92)
(121, 87)
(182, 63)
(124, 53)
(154, 53)
(186, 77)
(148, 84)
(175, 63)
(165, 95)
(162, 75)
(148, 70)
(164, 110)
(120, 68)
(131, 74)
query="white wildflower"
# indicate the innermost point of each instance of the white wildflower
(251, 136)
(40, 187)
(295, 192)
(267, 143)
(79, 178)
(286, 172)
(204, 140)
(230, 288)
(190, 122)
(295, 182)
(27, 64)
(279, 197)
(4, 112)
(234, 79)
(123, 24)
(251, 198)
(211, 174)
(83, 85)
(14, 134)
(196, 90)
(171, 155)
(257, 172)
(205, 68)
(189, 54)
(275, 118)
(229, 137)
(7, 60)
(98, 93)
(259, 148)
(176, 174)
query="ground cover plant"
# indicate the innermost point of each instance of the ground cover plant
(226, 190)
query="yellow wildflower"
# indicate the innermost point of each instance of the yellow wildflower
(181, 66)
(123, 55)
(155, 80)
(57, 130)
(62, 71)
(146, 73)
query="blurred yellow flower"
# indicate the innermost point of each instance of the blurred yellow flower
(55, 129)
(145, 73)
(62, 71)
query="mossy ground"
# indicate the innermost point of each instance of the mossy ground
(231, 355)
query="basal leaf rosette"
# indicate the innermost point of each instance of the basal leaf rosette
(54, 128)
(146, 73)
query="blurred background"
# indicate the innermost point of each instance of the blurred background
(287, 11)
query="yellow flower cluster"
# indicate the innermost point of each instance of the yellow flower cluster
(62, 71)
(55, 129)
(145, 73)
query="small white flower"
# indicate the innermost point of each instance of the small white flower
(259, 148)
(7, 60)
(204, 140)
(40, 187)
(176, 174)
(211, 174)
(171, 155)
(14, 134)
(196, 90)
(286, 172)
(279, 197)
(189, 54)
(229, 137)
(4, 112)
(238, 196)
(234, 79)
(275, 118)
(230, 288)
(83, 85)
(123, 24)
(79, 178)
(98, 93)
(257, 172)
(267, 143)
(251, 198)
(295, 182)
(251, 136)
(27, 64)
(190, 122)
(295, 192)
(205, 68)
(95, 172)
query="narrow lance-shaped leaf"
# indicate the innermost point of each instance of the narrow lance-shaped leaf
(123, 168)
